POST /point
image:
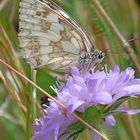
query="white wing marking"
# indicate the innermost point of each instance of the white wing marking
(69, 47)
(75, 43)
(56, 27)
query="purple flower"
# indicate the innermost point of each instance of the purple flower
(83, 90)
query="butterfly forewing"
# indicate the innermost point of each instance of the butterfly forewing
(49, 37)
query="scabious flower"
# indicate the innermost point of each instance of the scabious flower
(95, 96)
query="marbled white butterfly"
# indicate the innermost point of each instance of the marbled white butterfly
(49, 37)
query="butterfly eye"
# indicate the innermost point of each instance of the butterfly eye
(101, 55)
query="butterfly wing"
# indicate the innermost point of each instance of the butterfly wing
(48, 36)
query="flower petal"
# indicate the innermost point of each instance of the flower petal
(132, 89)
(95, 136)
(129, 111)
(110, 121)
(75, 72)
(102, 97)
(91, 85)
(74, 105)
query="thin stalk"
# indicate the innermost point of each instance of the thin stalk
(132, 125)
(48, 95)
(126, 46)
(3, 4)
(109, 54)
(33, 74)
(28, 122)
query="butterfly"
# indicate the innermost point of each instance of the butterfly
(50, 38)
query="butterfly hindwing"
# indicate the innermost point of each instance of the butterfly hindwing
(48, 37)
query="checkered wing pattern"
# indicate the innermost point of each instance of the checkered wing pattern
(49, 37)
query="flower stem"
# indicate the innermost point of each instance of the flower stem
(33, 76)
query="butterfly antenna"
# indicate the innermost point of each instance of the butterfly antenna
(109, 49)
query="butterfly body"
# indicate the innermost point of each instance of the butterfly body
(50, 38)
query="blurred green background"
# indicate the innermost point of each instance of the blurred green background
(16, 104)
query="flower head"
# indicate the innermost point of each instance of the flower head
(83, 90)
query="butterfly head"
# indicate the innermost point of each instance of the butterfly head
(96, 55)
(90, 59)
